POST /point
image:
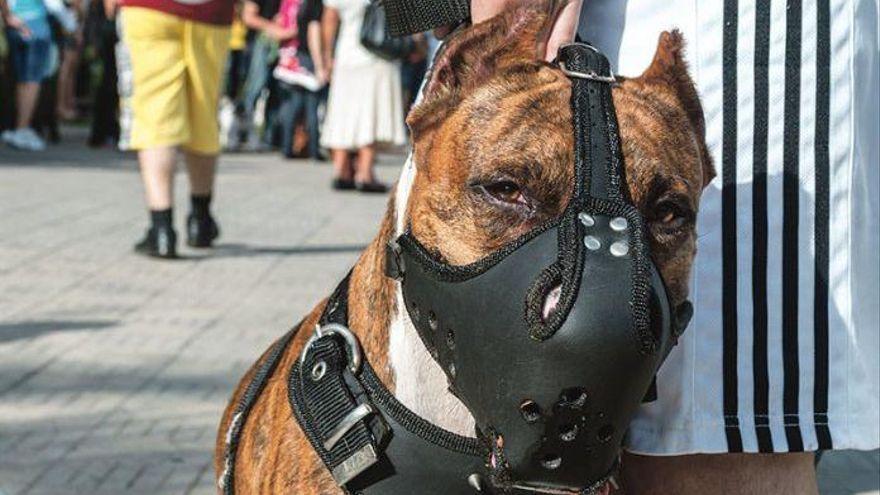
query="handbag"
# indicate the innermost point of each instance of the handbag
(375, 37)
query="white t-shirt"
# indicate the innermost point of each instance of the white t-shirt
(760, 367)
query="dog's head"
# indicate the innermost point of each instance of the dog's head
(494, 145)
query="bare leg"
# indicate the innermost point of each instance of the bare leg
(341, 165)
(366, 157)
(202, 169)
(729, 474)
(66, 107)
(157, 173)
(26, 95)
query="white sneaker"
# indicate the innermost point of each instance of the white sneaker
(26, 139)
(6, 136)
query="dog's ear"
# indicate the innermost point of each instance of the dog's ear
(472, 56)
(670, 68)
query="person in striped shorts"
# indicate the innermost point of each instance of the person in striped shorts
(782, 355)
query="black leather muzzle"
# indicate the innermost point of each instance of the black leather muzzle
(553, 394)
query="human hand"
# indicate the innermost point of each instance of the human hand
(13, 22)
(282, 34)
(563, 28)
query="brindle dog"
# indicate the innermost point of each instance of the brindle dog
(493, 146)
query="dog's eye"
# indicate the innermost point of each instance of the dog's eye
(506, 191)
(670, 215)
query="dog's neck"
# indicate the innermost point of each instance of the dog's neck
(421, 384)
(392, 344)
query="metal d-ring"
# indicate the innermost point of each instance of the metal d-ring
(354, 348)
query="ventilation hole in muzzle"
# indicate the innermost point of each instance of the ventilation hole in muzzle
(551, 302)
(452, 370)
(432, 320)
(450, 338)
(530, 410)
(574, 398)
(568, 433)
(605, 433)
(551, 461)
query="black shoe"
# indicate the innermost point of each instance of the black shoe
(201, 232)
(371, 187)
(160, 242)
(342, 184)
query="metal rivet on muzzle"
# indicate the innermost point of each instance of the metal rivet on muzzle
(619, 224)
(530, 410)
(620, 248)
(592, 242)
(450, 338)
(587, 219)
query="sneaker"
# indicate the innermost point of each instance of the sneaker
(6, 136)
(24, 139)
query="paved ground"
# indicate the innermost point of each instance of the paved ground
(114, 369)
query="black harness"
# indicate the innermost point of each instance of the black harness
(551, 395)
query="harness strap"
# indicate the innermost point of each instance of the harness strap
(405, 17)
(226, 483)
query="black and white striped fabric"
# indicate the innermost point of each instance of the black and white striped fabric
(782, 353)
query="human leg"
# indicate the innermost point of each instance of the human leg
(312, 100)
(292, 105)
(157, 173)
(29, 57)
(201, 228)
(160, 123)
(26, 96)
(364, 175)
(205, 52)
(729, 474)
(343, 172)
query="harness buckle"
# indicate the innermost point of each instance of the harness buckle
(590, 75)
(351, 341)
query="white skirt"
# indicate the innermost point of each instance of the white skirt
(365, 106)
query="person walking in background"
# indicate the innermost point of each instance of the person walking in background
(178, 52)
(365, 105)
(301, 74)
(71, 46)
(29, 36)
(259, 16)
(105, 120)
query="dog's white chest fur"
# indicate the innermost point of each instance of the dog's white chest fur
(420, 384)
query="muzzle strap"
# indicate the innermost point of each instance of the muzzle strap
(597, 143)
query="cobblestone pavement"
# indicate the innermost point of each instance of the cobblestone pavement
(114, 369)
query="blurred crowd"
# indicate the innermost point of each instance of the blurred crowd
(297, 80)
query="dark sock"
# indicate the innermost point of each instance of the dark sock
(161, 218)
(201, 205)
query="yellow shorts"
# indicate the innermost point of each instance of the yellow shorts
(177, 67)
